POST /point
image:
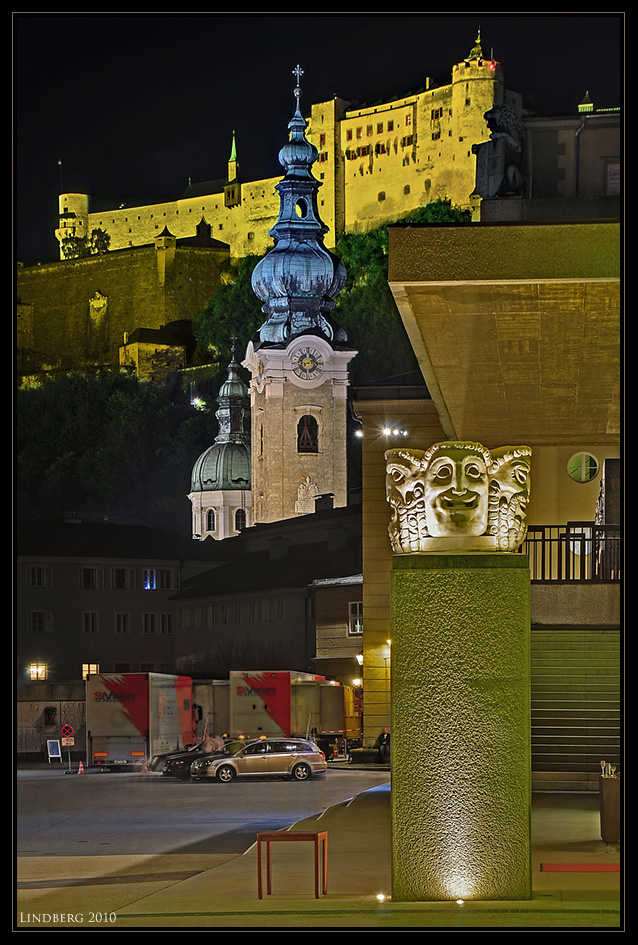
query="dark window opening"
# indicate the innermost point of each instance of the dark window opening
(307, 435)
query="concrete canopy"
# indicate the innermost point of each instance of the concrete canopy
(516, 327)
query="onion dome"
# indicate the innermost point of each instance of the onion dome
(226, 464)
(299, 278)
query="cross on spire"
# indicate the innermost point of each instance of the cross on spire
(298, 72)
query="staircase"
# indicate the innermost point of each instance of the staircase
(575, 707)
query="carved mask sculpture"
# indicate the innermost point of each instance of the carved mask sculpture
(456, 489)
(509, 495)
(457, 495)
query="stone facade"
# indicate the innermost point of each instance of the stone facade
(284, 474)
(75, 314)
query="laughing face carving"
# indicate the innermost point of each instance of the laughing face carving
(460, 491)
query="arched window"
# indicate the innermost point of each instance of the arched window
(240, 520)
(210, 520)
(307, 435)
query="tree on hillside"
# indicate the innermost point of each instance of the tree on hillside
(107, 442)
(79, 247)
(234, 311)
(366, 307)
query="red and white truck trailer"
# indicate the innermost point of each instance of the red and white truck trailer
(131, 716)
(263, 703)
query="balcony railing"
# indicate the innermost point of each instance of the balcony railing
(577, 551)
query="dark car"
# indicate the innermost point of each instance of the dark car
(158, 761)
(296, 758)
(178, 764)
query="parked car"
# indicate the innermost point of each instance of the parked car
(295, 758)
(178, 764)
(158, 761)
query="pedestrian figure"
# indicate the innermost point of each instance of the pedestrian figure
(383, 744)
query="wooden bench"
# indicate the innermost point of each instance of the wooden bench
(320, 840)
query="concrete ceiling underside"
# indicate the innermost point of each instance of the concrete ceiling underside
(529, 352)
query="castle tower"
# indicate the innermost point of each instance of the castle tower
(220, 481)
(477, 87)
(73, 218)
(299, 358)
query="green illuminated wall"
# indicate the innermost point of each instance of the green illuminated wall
(461, 779)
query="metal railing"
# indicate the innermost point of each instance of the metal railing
(577, 551)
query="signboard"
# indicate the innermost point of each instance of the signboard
(53, 749)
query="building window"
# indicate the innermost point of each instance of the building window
(90, 669)
(279, 609)
(381, 196)
(240, 520)
(307, 435)
(88, 578)
(37, 672)
(150, 622)
(168, 579)
(150, 579)
(39, 576)
(223, 615)
(582, 467)
(355, 617)
(37, 621)
(612, 180)
(123, 577)
(210, 520)
(349, 134)
(166, 623)
(89, 622)
(122, 623)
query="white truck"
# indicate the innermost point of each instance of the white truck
(132, 716)
(264, 703)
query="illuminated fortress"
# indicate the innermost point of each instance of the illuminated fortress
(375, 164)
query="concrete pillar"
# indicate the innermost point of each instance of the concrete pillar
(461, 758)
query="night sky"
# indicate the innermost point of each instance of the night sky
(135, 105)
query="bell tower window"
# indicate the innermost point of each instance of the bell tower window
(307, 435)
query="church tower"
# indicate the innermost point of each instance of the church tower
(220, 481)
(298, 359)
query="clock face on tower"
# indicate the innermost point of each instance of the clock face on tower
(307, 363)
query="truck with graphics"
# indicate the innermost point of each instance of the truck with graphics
(291, 703)
(132, 716)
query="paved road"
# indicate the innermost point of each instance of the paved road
(125, 814)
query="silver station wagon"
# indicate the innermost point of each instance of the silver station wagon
(295, 758)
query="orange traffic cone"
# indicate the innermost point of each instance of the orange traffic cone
(81, 769)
